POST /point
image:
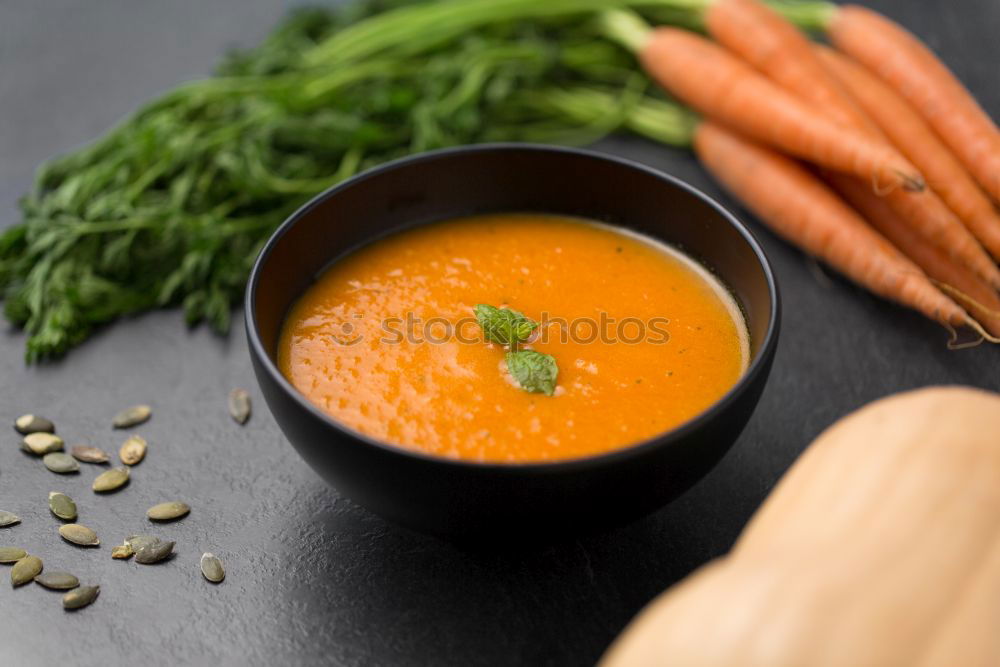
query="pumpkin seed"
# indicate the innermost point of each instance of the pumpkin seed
(136, 542)
(80, 597)
(25, 570)
(122, 551)
(57, 581)
(80, 535)
(211, 568)
(133, 416)
(111, 480)
(153, 553)
(62, 505)
(8, 519)
(239, 405)
(11, 554)
(41, 444)
(168, 511)
(26, 424)
(89, 454)
(132, 450)
(61, 463)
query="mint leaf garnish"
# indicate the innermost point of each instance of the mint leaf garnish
(534, 371)
(504, 325)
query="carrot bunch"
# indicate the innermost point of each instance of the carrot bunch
(871, 156)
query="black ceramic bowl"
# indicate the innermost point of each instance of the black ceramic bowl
(476, 500)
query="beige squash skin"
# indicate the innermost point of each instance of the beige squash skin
(881, 546)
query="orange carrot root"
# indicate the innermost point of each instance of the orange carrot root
(935, 262)
(945, 175)
(778, 49)
(961, 297)
(799, 207)
(927, 214)
(901, 60)
(726, 89)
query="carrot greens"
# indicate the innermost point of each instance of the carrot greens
(171, 206)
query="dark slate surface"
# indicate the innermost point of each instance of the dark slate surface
(312, 578)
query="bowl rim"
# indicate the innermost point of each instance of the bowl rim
(664, 439)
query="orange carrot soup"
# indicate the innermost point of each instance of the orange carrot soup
(514, 338)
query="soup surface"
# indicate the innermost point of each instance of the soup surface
(386, 341)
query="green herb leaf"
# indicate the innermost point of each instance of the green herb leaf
(504, 325)
(534, 371)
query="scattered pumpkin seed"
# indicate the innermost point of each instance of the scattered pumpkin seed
(211, 568)
(10, 555)
(62, 506)
(57, 581)
(111, 480)
(26, 424)
(8, 519)
(41, 444)
(61, 463)
(153, 553)
(168, 511)
(79, 535)
(25, 570)
(137, 542)
(132, 450)
(80, 597)
(89, 454)
(133, 416)
(239, 405)
(122, 551)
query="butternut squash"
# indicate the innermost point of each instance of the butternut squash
(881, 546)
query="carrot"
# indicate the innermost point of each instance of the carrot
(783, 53)
(907, 129)
(928, 215)
(800, 208)
(912, 69)
(724, 88)
(773, 45)
(979, 297)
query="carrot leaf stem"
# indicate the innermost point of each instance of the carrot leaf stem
(625, 27)
(809, 16)
(658, 119)
(416, 28)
